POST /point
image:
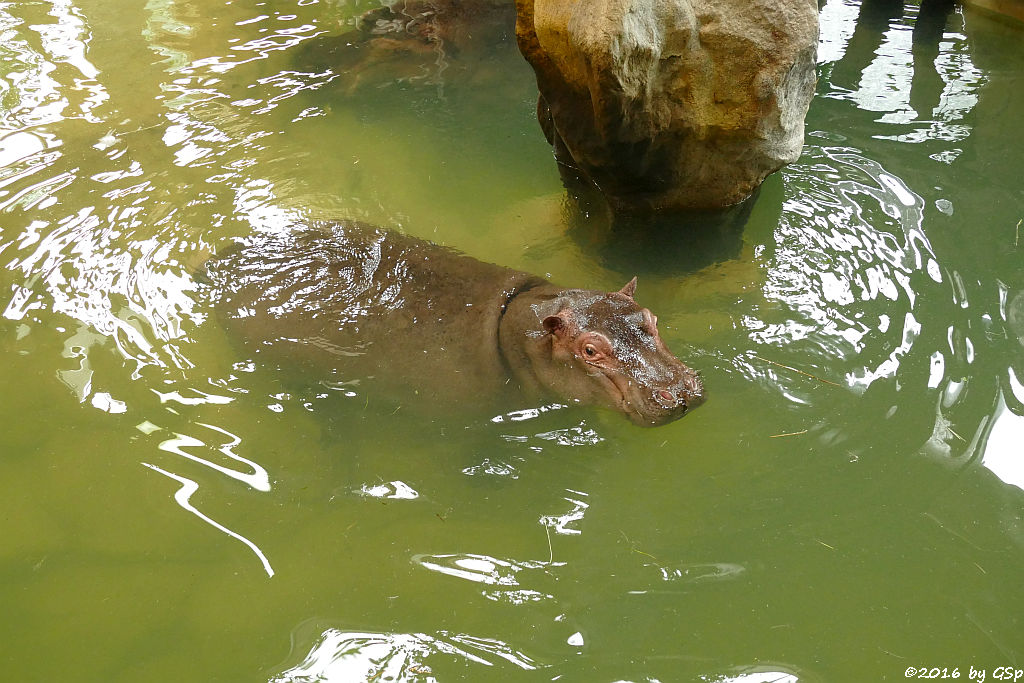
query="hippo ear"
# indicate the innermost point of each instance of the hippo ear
(630, 288)
(557, 324)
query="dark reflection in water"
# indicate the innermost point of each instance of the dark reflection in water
(875, 19)
(660, 245)
(929, 29)
(416, 43)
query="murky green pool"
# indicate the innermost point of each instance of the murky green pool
(847, 506)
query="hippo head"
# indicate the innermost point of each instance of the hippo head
(605, 349)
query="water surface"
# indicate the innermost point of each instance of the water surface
(846, 505)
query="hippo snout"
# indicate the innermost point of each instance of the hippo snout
(692, 391)
(680, 397)
(668, 398)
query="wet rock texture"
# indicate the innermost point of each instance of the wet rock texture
(671, 104)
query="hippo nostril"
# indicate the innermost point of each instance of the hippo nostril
(667, 395)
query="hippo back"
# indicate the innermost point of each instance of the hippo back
(345, 302)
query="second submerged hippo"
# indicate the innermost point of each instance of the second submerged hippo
(355, 304)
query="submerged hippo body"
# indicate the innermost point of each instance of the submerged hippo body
(361, 306)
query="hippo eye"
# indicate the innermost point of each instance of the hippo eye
(594, 349)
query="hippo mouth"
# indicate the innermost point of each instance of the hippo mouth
(658, 409)
(654, 416)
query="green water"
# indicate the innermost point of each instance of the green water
(846, 505)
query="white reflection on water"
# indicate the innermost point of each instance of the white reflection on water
(1003, 453)
(108, 404)
(707, 572)
(753, 677)
(580, 435)
(394, 490)
(851, 234)
(506, 578)
(889, 79)
(183, 496)
(837, 20)
(54, 67)
(105, 227)
(162, 30)
(560, 523)
(342, 657)
(258, 478)
(136, 297)
(694, 573)
(201, 397)
(503, 575)
(526, 413)
(15, 147)
(494, 468)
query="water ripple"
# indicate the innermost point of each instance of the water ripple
(342, 656)
(560, 523)
(257, 477)
(183, 498)
(104, 242)
(51, 52)
(850, 261)
(481, 568)
(923, 95)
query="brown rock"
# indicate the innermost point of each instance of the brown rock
(671, 104)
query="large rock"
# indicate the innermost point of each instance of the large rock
(672, 104)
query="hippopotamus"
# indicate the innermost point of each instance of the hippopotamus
(416, 42)
(379, 311)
